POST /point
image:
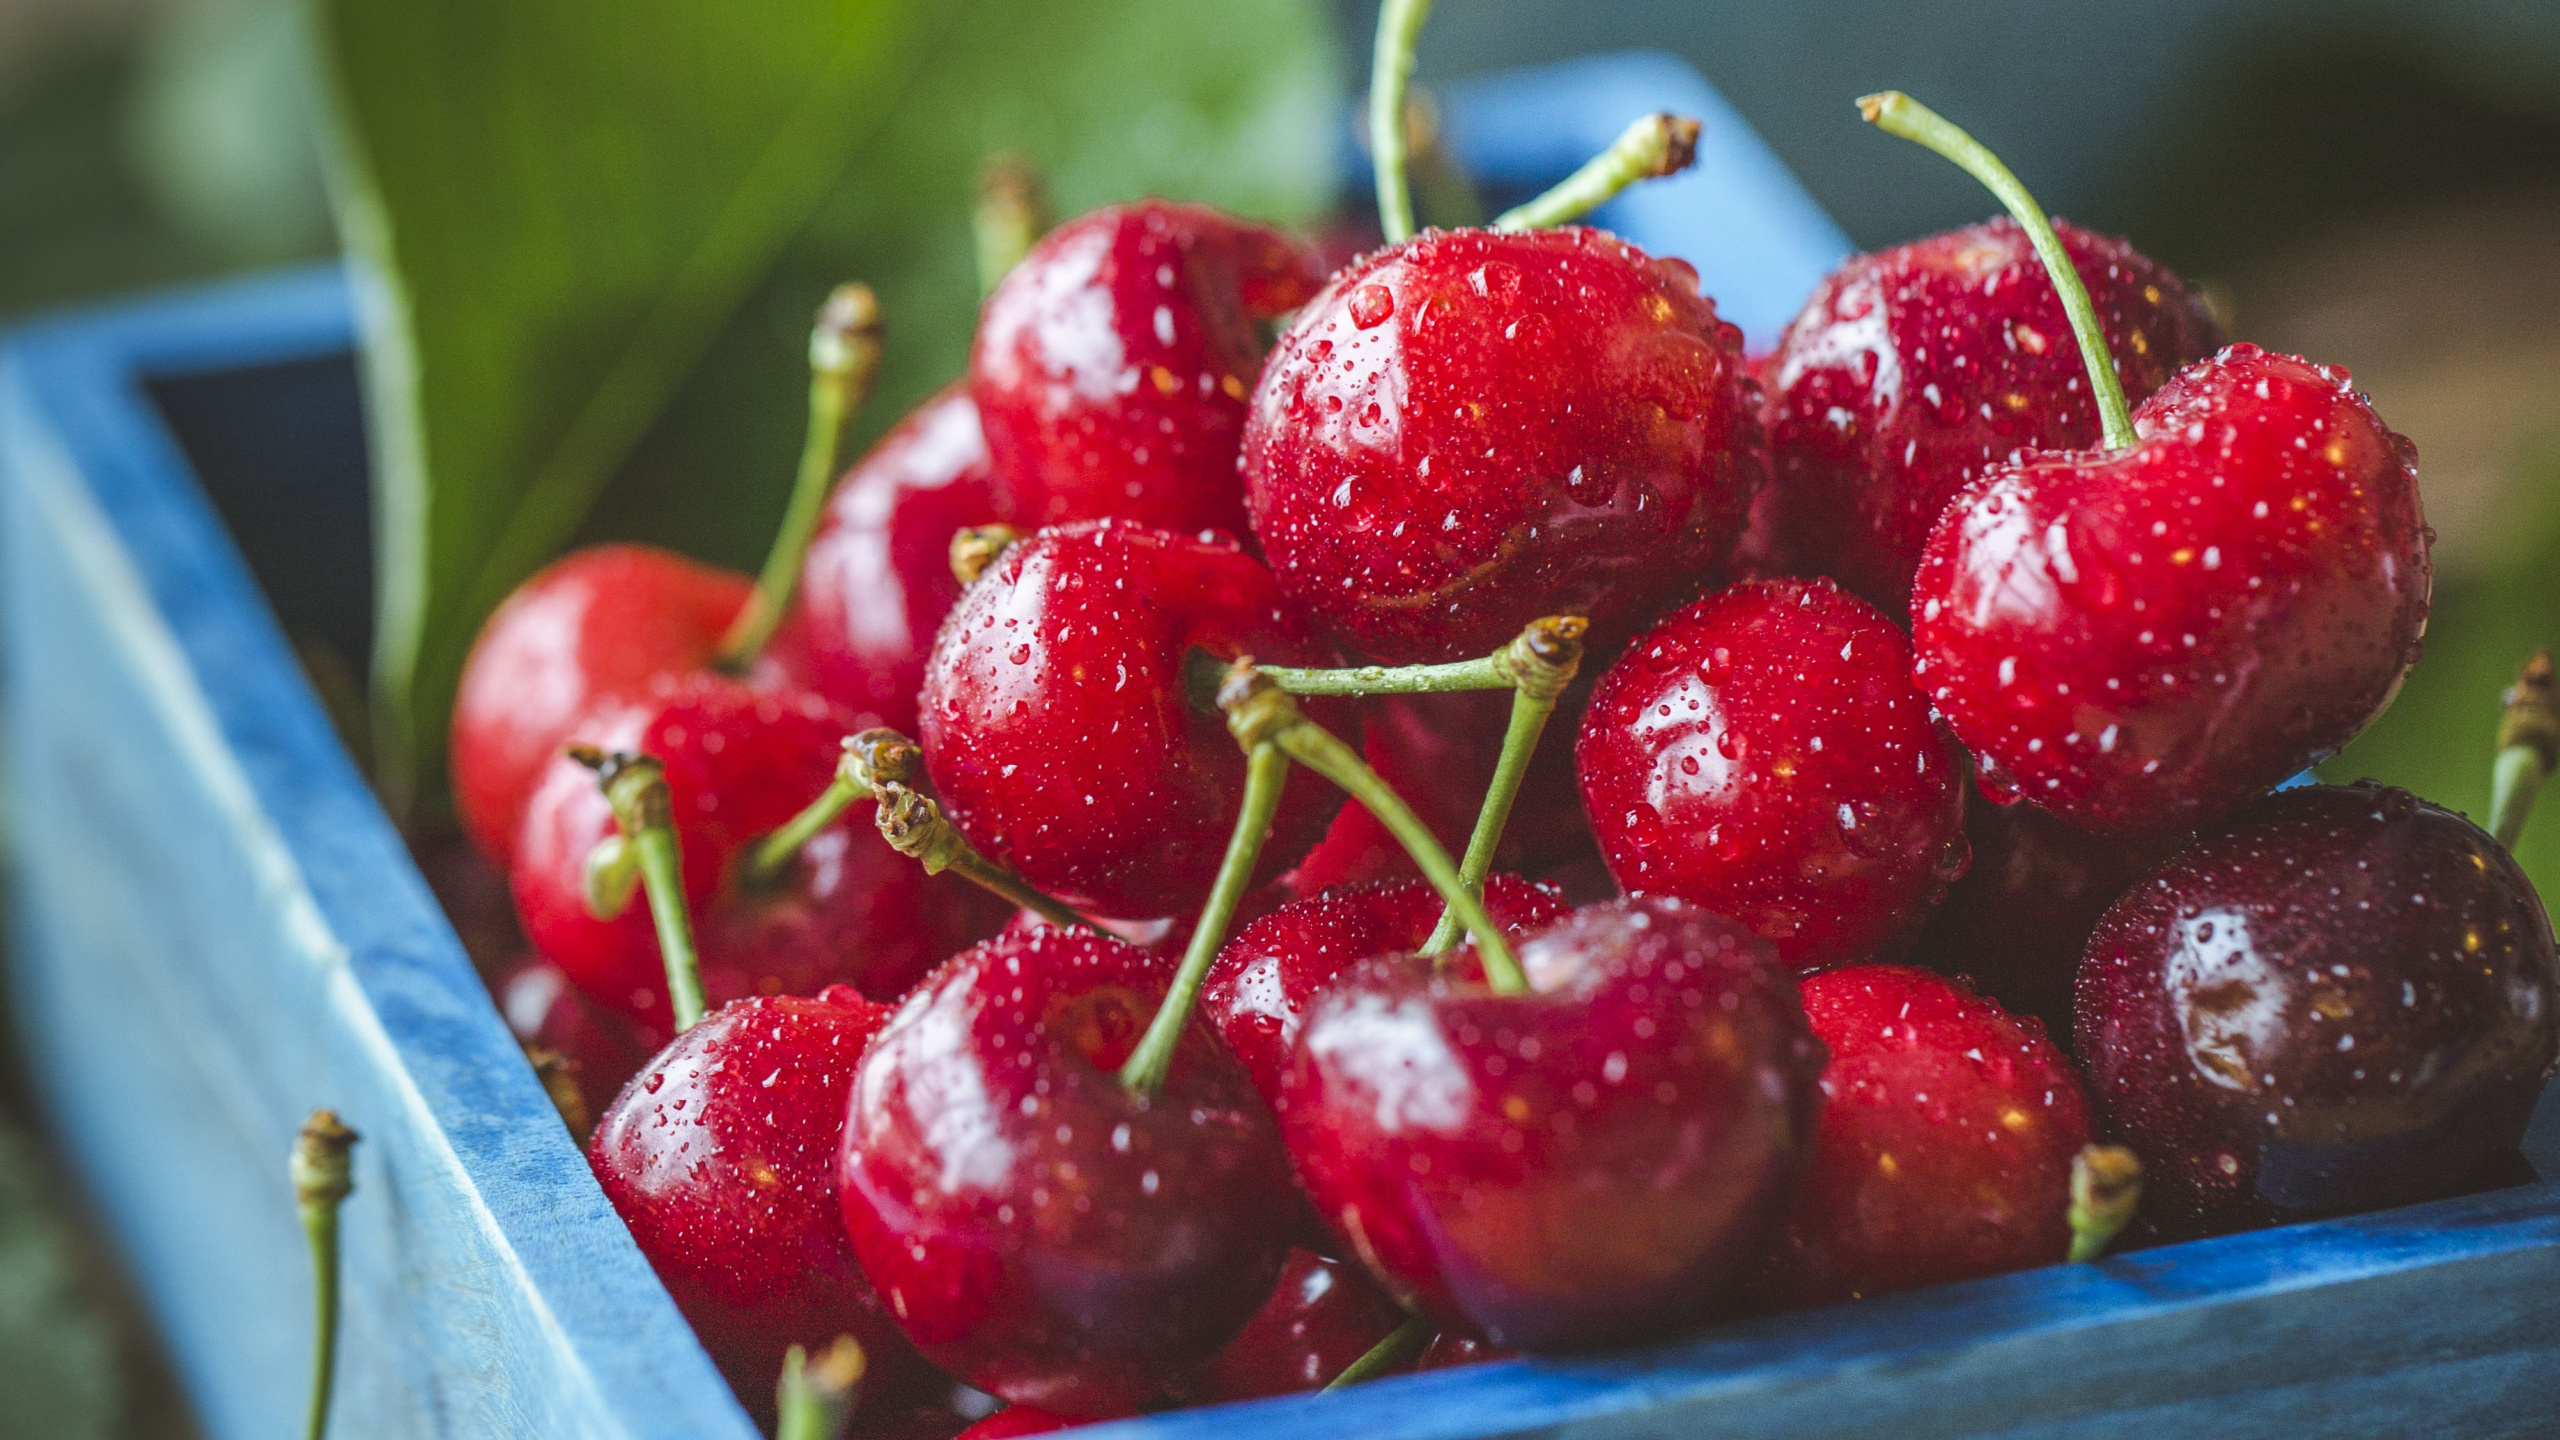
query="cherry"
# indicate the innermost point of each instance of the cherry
(1259, 989)
(1472, 429)
(878, 580)
(1584, 1163)
(720, 1159)
(1058, 721)
(1913, 369)
(1452, 1348)
(739, 764)
(1323, 1315)
(1440, 750)
(1763, 754)
(1017, 1420)
(601, 1047)
(1040, 1229)
(1945, 1147)
(1112, 364)
(2345, 998)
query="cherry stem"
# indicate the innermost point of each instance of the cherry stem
(915, 827)
(2528, 748)
(1542, 662)
(868, 758)
(1208, 672)
(323, 1175)
(1266, 771)
(2106, 1188)
(636, 786)
(816, 1397)
(1011, 214)
(1444, 193)
(1258, 711)
(844, 358)
(1657, 145)
(1386, 1357)
(975, 547)
(1390, 71)
(1898, 114)
(559, 1077)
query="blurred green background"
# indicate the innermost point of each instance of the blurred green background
(2374, 183)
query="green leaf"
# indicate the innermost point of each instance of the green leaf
(593, 235)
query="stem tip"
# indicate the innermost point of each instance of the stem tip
(2106, 1188)
(975, 547)
(322, 1170)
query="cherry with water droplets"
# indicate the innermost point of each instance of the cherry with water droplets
(1324, 1314)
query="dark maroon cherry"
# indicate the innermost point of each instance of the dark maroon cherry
(2142, 640)
(1061, 731)
(1583, 1164)
(1259, 987)
(1452, 1348)
(1323, 1315)
(2345, 998)
(1763, 754)
(1112, 365)
(720, 1158)
(1037, 1228)
(1948, 1132)
(1470, 430)
(877, 582)
(1018, 1420)
(1913, 369)
(603, 1048)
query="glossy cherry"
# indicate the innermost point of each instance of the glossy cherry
(720, 1158)
(1323, 1315)
(1763, 754)
(1913, 369)
(603, 1047)
(1583, 1164)
(877, 582)
(739, 763)
(2143, 640)
(1060, 728)
(1260, 986)
(2343, 999)
(1112, 365)
(1452, 1348)
(1039, 1229)
(1948, 1132)
(1470, 430)
(1018, 1420)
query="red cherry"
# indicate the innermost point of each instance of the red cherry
(1112, 364)
(1763, 754)
(1323, 1315)
(2144, 639)
(1912, 370)
(1258, 989)
(877, 582)
(603, 1048)
(1038, 1228)
(1580, 1165)
(1945, 1147)
(2344, 999)
(739, 763)
(720, 1158)
(1452, 1348)
(1058, 724)
(1015, 1420)
(1470, 430)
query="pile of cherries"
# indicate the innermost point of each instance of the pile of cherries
(1741, 1005)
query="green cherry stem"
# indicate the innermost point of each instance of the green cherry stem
(915, 827)
(844, 357)
(323, 1176)
(1898, 114)
(1657, 145)
(1541, 662)
(1389, 1355)
(975, 547)
(868, 758)
(1390, 71)
(1443, 192)
(1011, 214)
(2106, 1188)
(1266, 770)
(1208, 672)
(2528, 748)
(1259, 711)
(816, 1397)
(636, 787)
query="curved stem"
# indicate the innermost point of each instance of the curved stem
(1657, 145)
(1259, 711)
(2528, 748)
(1541, 662)
(844, 356)
(2106, 1188)
(636, 786)
(915, 827)
(1390, 71)
(868, 758)
(1386, 1357)
(323, 1176)
(1207, 672)
(1898, 114)
(1444, 194)
(1011, 215)
(816, 1397)
(1266, 769)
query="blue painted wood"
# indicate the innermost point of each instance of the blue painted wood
(215, 930)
